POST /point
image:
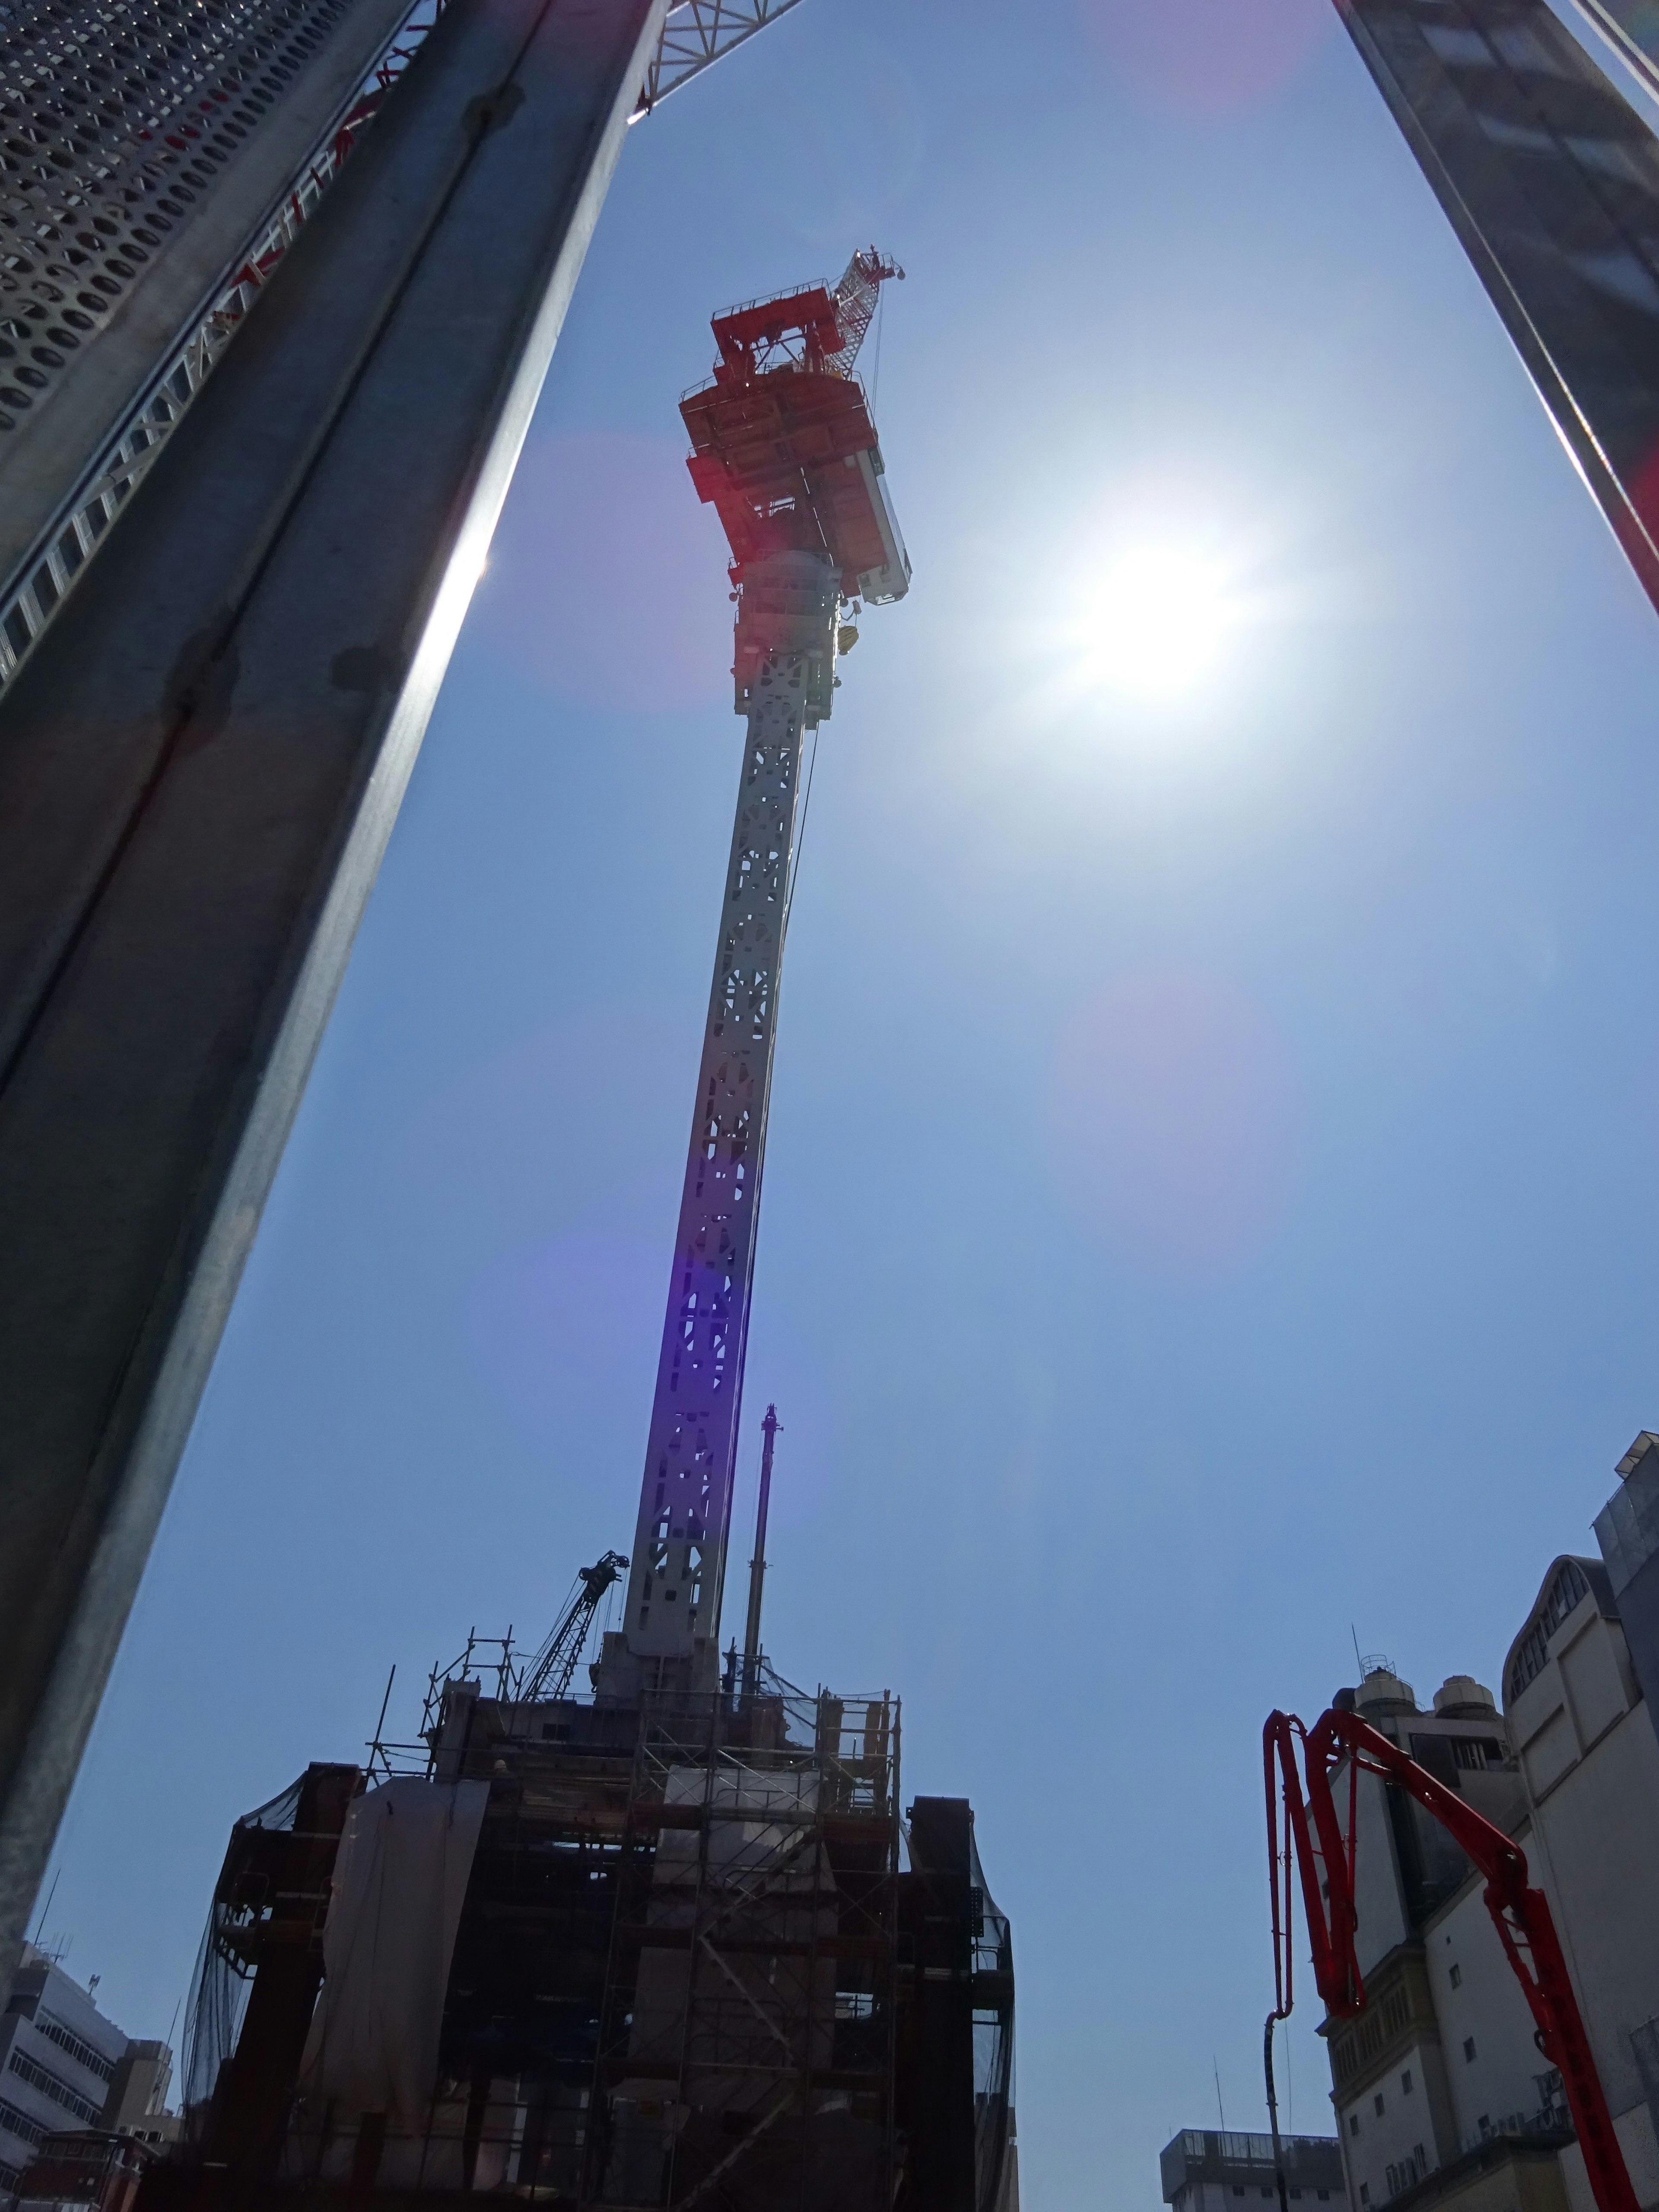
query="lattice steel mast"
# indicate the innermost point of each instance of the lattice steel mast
(785, 449)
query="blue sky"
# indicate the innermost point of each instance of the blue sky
(1214, 1159)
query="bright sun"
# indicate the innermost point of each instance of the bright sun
(1159, 619)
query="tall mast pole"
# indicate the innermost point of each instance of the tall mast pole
(784, 449)
(757, 1564)
(787, 620)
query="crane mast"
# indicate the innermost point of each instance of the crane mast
(784, 449)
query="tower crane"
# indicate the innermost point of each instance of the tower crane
(1323, 1852)
(784, 449)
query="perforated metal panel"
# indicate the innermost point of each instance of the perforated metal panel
(144, 144)
(118, 118)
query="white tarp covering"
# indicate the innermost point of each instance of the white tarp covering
(398, 1884)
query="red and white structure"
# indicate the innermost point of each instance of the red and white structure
(784, 448)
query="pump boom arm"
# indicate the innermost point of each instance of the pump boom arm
(1314, 1837)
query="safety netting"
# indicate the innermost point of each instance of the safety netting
(242, 1898)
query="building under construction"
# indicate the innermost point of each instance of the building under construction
(280, 264)
(674, 1942)
(685, 1954)
(274, 269)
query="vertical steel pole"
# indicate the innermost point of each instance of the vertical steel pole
(757, 1564)
(199, 768)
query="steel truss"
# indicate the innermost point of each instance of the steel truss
(698, 34)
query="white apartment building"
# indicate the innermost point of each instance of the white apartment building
(63, 2065)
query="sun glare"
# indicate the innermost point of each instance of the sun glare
(1159, 618)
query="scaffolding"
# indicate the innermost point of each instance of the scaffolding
(747, 2042)
(674, 1977)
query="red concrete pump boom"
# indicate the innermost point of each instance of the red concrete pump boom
(1314, 1837)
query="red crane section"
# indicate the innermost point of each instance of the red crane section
(1324, 1855)
(782, 444)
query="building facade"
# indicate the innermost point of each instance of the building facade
(1216, 2170)
(1590, 1763)
(63, 2065)
(1440, 2093)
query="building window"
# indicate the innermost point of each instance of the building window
(1377, 2104)
(1568, 1589)
(19, 2124)
(1353, 2124)
(1238, 2188)
(1267, 2192)
(1456, 1975)
(1406, 2082)
(1296, 2194)
(81, 2053)
(1469, 2048)
(1365, 2192)
(42, 2078)
(1409, 2171)
(1324, 2195)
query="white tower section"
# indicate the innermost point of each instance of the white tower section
(785, 670)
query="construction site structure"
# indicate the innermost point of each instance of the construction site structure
(656, 1959)
(673, 1944)
(280, 284)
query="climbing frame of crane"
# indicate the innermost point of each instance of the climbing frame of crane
(783, 446)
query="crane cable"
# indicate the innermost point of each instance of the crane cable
(801, 840)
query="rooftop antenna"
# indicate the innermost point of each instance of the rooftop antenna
(757, 1564)
(1358, 1661)
(46, 1907)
